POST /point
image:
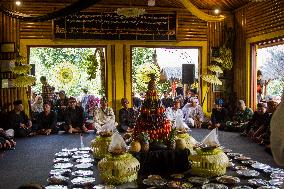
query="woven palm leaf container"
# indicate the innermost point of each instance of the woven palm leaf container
(209, 163)
(100, 146)
(118, 169)
(189, 140)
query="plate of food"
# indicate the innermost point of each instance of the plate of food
(234, 154)
(198, 180)
(63, 172)
(63, 165)
(177, 176)
(84, 166)
(276, 182)
(260, 166)
(277, 175)
(248, 162)
(242, 158)
(257, 182)
(58, 180)
(248, 173)
(242, 187)
(83, 173)
(63, 154)
(240, 167)
(56, 187)
(79, 156)
(214, 186)
(61, 160)
(83, 181)
(225, 179)
(69, 150)
(85, 160)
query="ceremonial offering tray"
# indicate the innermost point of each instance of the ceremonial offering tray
(155, 180)
(83, 173)
(257, 182)
(83, 181)
(84, 166)
(100, 146)
(56, 187)
(80, 152)
(58, 180)
(209, 162)
(248, 173)
(118, 169)
(228, 179)
(62, 165)
(198, 180)
(214, 186)
(63, 172)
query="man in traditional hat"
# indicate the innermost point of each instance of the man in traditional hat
(194, 115)
(103, 114)
(47, 120)
(74, 117)
(127, 116)
(219, 115)
(19, 121)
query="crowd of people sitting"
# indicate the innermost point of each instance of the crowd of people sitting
(51, 113)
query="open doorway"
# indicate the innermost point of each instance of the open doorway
(69, 69)
(270, 72)
(167, 64)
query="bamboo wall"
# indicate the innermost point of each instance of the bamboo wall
(253, 23)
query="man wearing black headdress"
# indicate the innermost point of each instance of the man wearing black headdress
(19, 121)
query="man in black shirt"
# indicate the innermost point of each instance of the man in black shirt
(219, 115)
(19, 121)
(127, 116)
(167, 101)
(47, 120)
(74, 117)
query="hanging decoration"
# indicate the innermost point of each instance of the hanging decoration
(215, 68)
(23, 79)
(66, 73)
(200, 14)
(211, 79)
(226, 57)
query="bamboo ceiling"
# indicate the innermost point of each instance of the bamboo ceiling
(226, 5)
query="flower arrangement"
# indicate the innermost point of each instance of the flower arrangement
(66, 73)
(21, 69)
(24, 81)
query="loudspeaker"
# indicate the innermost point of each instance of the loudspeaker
(32, 69)
(188, 73)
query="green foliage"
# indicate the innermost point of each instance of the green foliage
(48, 60)
(142, 75)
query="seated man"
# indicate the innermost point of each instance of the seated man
(259, 122)
(171, 112)
(6, 142)
(61, 105)
(219, 115)
(47, 120)
(194, 115)
(103, 114)
(74, 117)
(19, 121)
(127, 116)
(241, 117)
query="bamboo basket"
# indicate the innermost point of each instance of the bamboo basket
(100, 146)
(118, 169)
(209, 163)
(189, 140)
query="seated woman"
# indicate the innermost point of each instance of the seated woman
(172, 112)
(127, 116)
(259, 122)
(74, 117)
(6, 142)
(47, 120)
(36, 107)
(194, 116)
(219, 115)
(241, 117)
(19, 121)
(103, 114)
